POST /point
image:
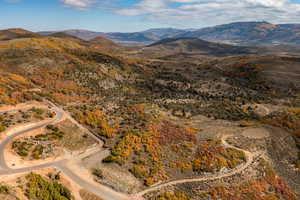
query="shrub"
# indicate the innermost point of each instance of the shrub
(4, 189)
(2, 128)
(98, 173)
(40, 188)
(139, 171)
(173, 196)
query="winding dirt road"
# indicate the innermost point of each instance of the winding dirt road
(104, 192)
(249, 159)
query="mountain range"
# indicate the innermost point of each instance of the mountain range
(179, 119)
(240, 33)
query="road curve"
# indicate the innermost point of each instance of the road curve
(31, 127)
(249, 159)
(104, 192)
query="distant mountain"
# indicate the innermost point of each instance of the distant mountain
(82, 34)
(249, 33)
(144, 37)
(9, 34)
(65, 36)
(162, 33)
(103, 42)
(239, 33)
(192, 46)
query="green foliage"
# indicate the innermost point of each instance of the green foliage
(38, 188)
(38, 111)
(2, 128)
(212, 156)
(4, 189)
(37, 152)
(98, 173)
(172, 196)
(34, 146)
(139, 171)
(297, 163)
(21, 148)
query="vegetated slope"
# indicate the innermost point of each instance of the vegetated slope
(249, 33)
(67, 70)
(82, 34)
(162, 33)
(172, 46)
(122, 102)
(117, 37)
(242, 33)
(64, 35)
(142, 37)
(109, 47)
(16, 33)
(102, 41)
(223, 83)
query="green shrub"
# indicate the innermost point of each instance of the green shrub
(39, 188)
(97, 172)
(4, 189)
(2, 128)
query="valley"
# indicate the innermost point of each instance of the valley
(180, 119)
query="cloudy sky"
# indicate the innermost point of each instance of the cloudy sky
(136, 15)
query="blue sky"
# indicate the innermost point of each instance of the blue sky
(136, 15)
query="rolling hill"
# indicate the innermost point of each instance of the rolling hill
(192, 46)
(240, 33)
(144, 37)
(9, 34)
(249, 33)
(163, 120)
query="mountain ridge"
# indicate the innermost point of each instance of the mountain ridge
(239, 33)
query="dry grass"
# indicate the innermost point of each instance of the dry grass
(74, 138)
(86, 195)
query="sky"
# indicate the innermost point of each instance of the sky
(138, 15)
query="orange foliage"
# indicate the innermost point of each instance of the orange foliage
(171, 133)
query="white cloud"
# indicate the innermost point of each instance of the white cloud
(199, 12)
(207, 12)
(78, 4)
(269, 3)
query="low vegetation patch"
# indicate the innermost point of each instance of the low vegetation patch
(266, 186)
(86, 195)
(290, 121)
(38, 188)
(23, 116)
(154, 149)
(172, 196)
(270, 186)
(39, 146)
(4, 189)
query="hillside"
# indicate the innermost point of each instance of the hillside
(225, 125)
(192, 46)
(143, 37)
(16, 33)
(249, 33)
(240, 33)
(63, 35)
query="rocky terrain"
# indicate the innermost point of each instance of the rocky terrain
(201, 120)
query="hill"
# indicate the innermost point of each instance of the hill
(63, 35)
(9, 34)
(105, 45)
(249, 33)
(240, 33)
(143, 37)
(219, 119)
(103, 42)
(192, 46)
